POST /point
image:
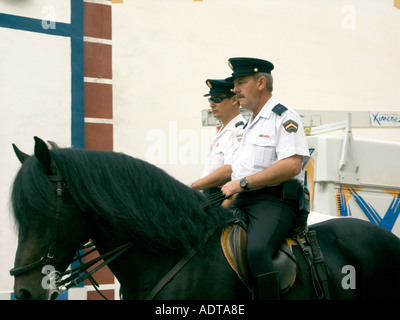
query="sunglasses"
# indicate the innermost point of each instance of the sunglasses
(218, 99)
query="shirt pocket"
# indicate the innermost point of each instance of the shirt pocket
(264, 150)
(217, 158)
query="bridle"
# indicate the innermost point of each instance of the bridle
(48, 257)
(61, 282)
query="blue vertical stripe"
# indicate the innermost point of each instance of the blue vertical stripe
(77, 86)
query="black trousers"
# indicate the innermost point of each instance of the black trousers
(271, 218)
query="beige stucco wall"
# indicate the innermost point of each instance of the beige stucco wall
(328, 55)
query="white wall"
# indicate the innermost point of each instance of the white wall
(39, 9)
(327, 54)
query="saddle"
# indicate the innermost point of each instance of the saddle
(234, 244)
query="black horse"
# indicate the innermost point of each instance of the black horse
(63, 197)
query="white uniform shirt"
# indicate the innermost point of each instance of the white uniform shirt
(224, 144)
(268, 138)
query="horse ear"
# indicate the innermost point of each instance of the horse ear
(42, 153)
(22, 157)
(53, 144)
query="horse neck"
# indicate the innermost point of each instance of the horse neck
(146, 269)
(139, 270)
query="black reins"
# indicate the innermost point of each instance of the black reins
(214, 198)
(80, 273)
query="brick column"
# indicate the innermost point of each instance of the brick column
(98, 75)
(97, 31)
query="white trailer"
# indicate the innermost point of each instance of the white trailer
(354, 177)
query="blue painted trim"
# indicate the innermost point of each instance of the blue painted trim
(33, 25)
(392, 214)
(62, 296)
(311, 151)
(387, 222)
(74, 30)
(77, 84)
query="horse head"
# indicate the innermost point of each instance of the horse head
(41, 205)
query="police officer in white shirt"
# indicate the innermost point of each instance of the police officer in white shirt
(225, 107)
(266, 170)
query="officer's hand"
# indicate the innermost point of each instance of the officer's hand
(232, 187)
(228, 202)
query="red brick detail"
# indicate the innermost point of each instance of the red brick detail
(97, 60)
(99, 136)
(97, 20)
(98, 100)
(102, 276)
(93, 295)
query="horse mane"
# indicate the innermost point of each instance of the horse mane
(126, 195)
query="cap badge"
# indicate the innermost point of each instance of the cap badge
(230, 65)
(209, 84)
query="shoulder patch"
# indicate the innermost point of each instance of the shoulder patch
(240, 123)
(279, 109)
(291, 126)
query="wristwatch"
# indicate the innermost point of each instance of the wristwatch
(243, 184)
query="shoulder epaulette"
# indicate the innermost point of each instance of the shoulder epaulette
(279, 109)
(240, 123)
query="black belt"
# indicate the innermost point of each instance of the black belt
(262, 192)
(287, 190)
